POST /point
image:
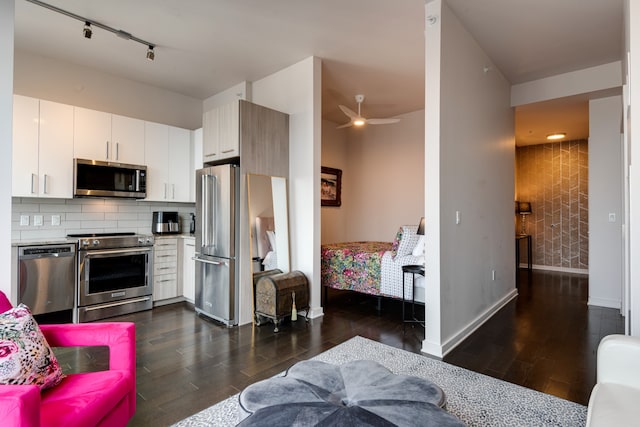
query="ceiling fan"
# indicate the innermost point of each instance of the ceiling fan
(358, 120)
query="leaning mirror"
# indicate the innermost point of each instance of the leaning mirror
(269, 222)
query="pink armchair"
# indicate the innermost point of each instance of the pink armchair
(106, 398)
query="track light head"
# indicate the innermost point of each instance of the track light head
(87, 30)
(150, 54)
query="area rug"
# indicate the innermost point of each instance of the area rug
(478, 400)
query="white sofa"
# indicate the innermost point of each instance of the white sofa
(615, 399)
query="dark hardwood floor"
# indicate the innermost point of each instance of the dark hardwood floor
(546, 340)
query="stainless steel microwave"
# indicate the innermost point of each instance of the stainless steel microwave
(93, 178)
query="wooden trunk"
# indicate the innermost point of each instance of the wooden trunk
(274, 296)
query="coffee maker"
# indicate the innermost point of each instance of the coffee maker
(165, 223)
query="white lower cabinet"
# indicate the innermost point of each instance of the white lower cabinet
(165, 268)
(188, 269)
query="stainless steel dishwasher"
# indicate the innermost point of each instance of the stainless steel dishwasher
(47, 277)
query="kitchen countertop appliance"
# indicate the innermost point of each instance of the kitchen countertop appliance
(47, 277)
(217, 235)
(164, 222)
(115, 272)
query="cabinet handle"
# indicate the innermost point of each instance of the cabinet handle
(228, 151)
(165, 190)
(210, 155)
(173, 191)
(117, 151)
(34, 178)
(107, 146)
(45, 183)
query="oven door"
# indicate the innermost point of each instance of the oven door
(114, 274)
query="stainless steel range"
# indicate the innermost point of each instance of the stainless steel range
(114, 275)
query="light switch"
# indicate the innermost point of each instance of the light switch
(55, 219)
(37, 220)
(457, 217)
(24, 219)
(612, 217)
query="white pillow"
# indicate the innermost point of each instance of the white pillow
(419, 249)
(271, 235)
(408, 240)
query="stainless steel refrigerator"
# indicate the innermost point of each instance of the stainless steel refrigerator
(217, 212)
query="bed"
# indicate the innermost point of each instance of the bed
(266, 243)
(375, 268)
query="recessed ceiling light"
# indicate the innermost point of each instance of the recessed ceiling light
(555, 136)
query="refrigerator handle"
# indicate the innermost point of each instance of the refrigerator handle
(206, 261)
(208, 217)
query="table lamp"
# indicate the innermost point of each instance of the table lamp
(524, 208)
(421, 227)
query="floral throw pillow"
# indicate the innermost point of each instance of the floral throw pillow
(25, 355)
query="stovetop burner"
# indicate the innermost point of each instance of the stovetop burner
(102, 234)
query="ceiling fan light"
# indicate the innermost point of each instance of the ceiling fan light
(556, 136)
(358, 122)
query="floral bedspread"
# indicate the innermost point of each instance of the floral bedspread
(353, 266)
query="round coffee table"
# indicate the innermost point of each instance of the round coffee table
(362, 392)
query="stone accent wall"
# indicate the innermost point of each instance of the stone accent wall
(554, 178)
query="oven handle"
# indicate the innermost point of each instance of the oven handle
(116, 304)
(128, 251)
(206, 261)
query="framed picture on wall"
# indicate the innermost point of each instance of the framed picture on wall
(330, 186)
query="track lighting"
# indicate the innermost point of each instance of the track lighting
(87, 31)
(150, 55)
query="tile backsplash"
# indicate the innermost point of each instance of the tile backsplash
(88, 216)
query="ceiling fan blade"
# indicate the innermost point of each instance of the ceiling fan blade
(346, 125)
(382, 121)
(349, 112)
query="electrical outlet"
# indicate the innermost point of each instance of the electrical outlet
(37, 220)
(55, 219)
(612, 217)
(24, 219)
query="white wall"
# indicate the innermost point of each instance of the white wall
(334, 155)
(594, 79)
(68, 83)
(7, 11)
(605, 198)
(386, 173)
(470, 169)
(632, 8)
(296, 91)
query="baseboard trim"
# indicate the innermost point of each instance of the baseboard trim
(604, 302)
(560, 269)
(315, 312)
(441, 350)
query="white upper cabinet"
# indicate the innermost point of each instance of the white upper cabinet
(127, 136)
(42, 149)
(229, 133)
(180, 164)
(108, 137)
(221, 132)
(92, 134)
(156, 154)
(169, 164)
(26, 115)
(210, 139)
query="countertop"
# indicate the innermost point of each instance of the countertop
(66, 240)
